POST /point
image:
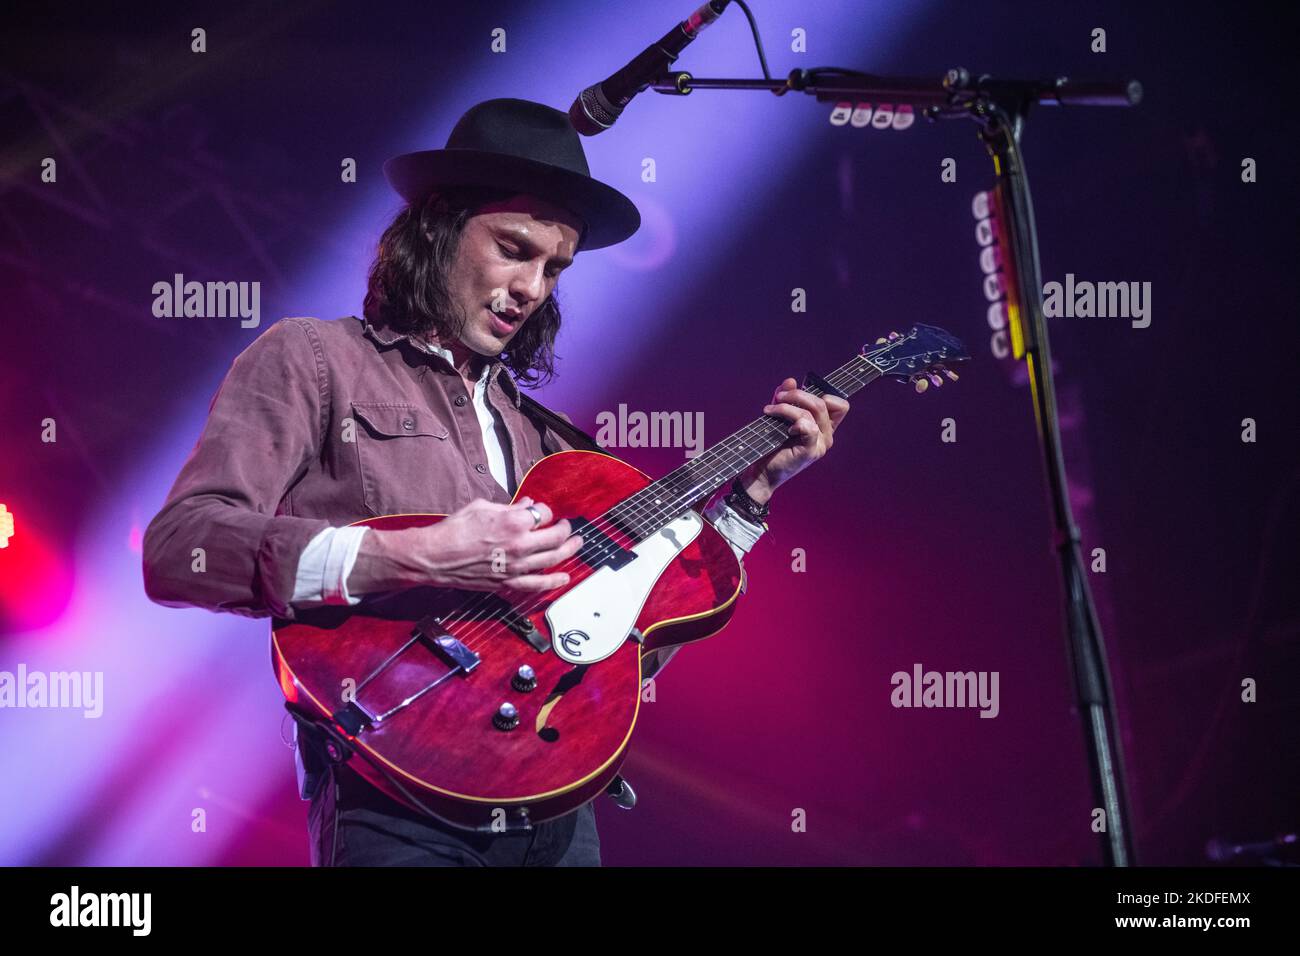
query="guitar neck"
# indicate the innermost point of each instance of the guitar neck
(672, 495)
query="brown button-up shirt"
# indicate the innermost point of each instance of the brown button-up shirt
(319, 424)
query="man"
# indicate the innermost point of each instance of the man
(321, 424)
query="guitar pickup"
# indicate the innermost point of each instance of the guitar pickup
(451, 647)
(599, 550)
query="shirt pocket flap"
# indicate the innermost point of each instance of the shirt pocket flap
(398, 419)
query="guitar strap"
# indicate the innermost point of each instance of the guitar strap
(574, 435)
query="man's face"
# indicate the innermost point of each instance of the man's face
(509, 261)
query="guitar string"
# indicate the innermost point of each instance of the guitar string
(655, 516)
(871, 373)
(478, 635)
(474, 636)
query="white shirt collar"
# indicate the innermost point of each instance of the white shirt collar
(446, 353)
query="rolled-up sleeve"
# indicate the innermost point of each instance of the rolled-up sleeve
(218, 543)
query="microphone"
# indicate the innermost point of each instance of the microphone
(597, 107)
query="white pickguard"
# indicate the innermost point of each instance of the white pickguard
(592, 621)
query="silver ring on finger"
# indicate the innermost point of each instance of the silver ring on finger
(537, 516)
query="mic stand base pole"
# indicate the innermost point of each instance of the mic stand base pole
(1000, 131)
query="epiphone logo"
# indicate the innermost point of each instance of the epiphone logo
(570, 641)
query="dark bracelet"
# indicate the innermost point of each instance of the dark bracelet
(740, 500)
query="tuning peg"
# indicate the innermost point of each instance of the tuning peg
(893, 336)
(922, 384)
(944, 370)
(880, 341)
(935, 380)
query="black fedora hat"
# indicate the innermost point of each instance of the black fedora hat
(526, 147)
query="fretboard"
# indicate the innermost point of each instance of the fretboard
(642, 514)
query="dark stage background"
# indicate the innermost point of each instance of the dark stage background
(225, 166)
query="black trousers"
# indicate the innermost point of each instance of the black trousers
(353, 824)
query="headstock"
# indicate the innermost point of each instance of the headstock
(921, 356)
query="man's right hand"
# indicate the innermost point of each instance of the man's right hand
(484, 546)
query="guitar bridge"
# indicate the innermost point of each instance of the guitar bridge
(451, 646)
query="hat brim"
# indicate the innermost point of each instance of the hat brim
(609, 215)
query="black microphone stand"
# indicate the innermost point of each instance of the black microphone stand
(999, 108)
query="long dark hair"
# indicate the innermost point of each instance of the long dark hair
(408, 286)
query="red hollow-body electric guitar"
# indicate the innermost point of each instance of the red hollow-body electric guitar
(497, 710)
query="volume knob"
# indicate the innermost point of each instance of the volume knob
(506, 717)
(525, 680)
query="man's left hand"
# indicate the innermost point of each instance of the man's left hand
(812, 420)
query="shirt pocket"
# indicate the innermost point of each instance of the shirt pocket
(404, 457)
